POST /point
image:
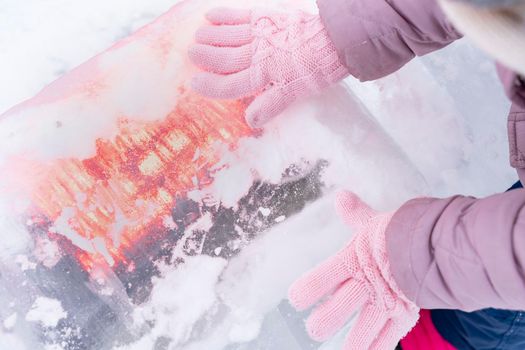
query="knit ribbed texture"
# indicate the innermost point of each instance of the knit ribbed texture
(357, 278)
(274, 56)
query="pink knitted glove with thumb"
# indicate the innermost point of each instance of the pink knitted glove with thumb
(279, 57)
(357, 277)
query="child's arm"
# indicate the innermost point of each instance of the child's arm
(460, 252)
(376, 37)
(282, 57)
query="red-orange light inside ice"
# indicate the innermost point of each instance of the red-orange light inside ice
(136, 177)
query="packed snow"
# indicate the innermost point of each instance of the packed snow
(46, 311)
(435, 128)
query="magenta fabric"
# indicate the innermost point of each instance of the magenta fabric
(425, 336)
(459, 252)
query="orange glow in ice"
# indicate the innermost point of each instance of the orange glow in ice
(132, 181)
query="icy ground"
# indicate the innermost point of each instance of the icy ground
(437, 128)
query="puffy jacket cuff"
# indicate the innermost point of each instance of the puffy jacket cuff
(354, 47)
(376, 38)
(460, 252)
(516, 135)
(408, 249)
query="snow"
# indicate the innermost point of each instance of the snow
(17, 239)
(24, 262)
(231, 191)
(280, 218)
(10, 321)
(46, 311)
(9, 341)
(43, 40)
(179, 300)
(435, 128)
(247, 287)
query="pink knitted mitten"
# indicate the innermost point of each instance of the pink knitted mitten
(279, 57)
(358, 276)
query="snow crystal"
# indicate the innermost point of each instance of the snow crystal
(231, 184)
(179, 300)
(280, 218)
(168, 222)
(265, 211)
(24, 263)
(10, 321)
(245, 331)
(204, 223)
(46, 311)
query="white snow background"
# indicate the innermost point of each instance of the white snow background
(437, 127)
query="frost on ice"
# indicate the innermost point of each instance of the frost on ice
(46, 311)
(10, 321)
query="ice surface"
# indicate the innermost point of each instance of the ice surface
(437, 127)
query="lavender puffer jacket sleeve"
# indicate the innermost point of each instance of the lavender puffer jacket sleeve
(377, 37)
(459, 252)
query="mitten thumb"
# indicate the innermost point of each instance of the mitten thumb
(352, 210)
(266, 106)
